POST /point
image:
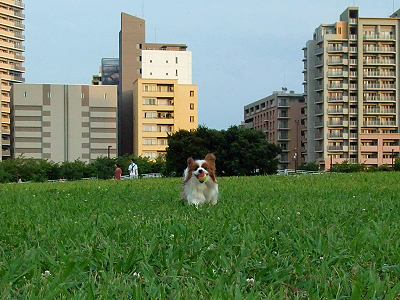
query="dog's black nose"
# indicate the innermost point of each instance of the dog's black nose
(200, 171)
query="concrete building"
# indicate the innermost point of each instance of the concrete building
(64, 122)
(351, 84)
(164, 106)
(156, 62)
(11, 59)
(281, 117)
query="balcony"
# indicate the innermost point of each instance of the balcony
(319, 124)
(336, 99)
(379, 74)
(339, 111)
(378, 36)
(379, 110)
(337, 86)
(337, 123)
(371, 48)
(379, 123)
(6, 153)
(5, 120)
(377, 98)
(337, 49)
(379, 62)
(6, 142)
(283, 104)
(353, 123)
(337, 74)
(335, 148)
(340, 135)
(319, 149)
(353, 99)
(379, 86)
(283, 137)
(283, 116)
(337, 61)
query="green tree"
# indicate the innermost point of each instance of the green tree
(239, 151)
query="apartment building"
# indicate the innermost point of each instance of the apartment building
(351, 83)
(11, 59)
(281, 117)
(64, 122)
(163, 106)
(156, 63)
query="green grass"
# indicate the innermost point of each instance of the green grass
(332, 236)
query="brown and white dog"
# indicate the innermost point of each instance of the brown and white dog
(199, 182)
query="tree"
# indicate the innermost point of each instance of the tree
(239, 151)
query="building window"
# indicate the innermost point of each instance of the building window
(138, 46)
(166, 61)
(191, 119)
(176, 60)
(166, 74)
(82, 95)
(139, 71)
(25, 94)
(191, 106)
(105, 96)
(139, 58)
(151, 61)
(48, 95)
(176, 72)
(191, 93)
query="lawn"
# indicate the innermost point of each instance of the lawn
(331, 236)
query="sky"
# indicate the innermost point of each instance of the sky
(242, 51)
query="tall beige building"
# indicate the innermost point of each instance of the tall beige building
(159, 64)
(64, 122)
(11, 59)
(163, 107)
(351, 83)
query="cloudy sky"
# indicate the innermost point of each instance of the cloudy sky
(242, 50)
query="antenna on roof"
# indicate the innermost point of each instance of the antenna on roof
(284, 88)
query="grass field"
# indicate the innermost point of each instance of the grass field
(332, 236)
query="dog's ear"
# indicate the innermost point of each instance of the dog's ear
(210, 158)
(190, 161)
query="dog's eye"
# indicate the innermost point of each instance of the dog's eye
(195, 168)
(205, 167)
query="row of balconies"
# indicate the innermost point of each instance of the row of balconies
(345, 111)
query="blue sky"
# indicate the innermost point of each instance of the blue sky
(242, 50)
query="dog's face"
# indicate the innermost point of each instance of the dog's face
(202, 168)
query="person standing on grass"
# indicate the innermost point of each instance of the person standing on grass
(118, 172)
(133, 170)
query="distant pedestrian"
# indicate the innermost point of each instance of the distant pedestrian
(133, 170)
(118, 172)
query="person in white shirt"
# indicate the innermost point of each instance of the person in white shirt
(133, 170)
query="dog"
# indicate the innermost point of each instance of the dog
(199, 182)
